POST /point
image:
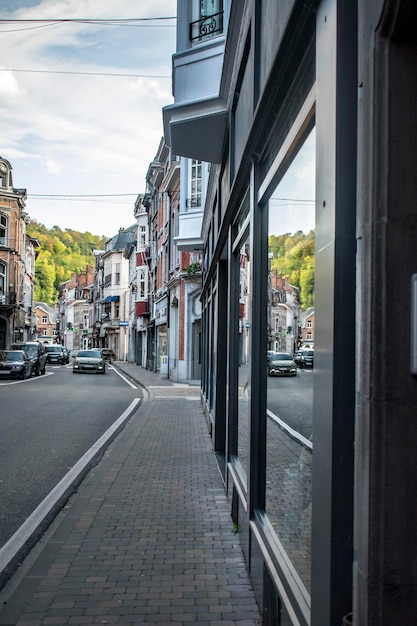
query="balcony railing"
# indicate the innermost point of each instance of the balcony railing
(206, 27)
(193, 203)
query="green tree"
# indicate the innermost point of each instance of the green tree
(61, 253)
(293, 258)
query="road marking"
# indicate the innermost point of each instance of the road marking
(123, 377)
(3, 383)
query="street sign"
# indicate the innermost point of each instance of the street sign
(123, 323)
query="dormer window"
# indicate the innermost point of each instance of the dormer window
(207, 20)
(4, 174)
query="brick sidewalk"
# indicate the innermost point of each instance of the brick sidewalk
(146, 539)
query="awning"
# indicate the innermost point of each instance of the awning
(112, 299)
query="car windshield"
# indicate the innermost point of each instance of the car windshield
(53, 348)
(281, 356)
(31, 350)
(14, 356)
(90, 353)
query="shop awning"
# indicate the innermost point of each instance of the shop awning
(112, 299)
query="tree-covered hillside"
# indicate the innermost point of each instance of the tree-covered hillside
(293, 257)
(61, 253)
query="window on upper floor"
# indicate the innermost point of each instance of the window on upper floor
(309, 324)
(4, 174)
(3, 282)
(142, 291)
(4, 225)
(142, 237)
(194, 196)
(207, 20)
(44, 319)
(117, 274)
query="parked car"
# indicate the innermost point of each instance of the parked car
(15, 363)
(36, 352)
(89, 361)
(304, 358)
(55, 354)
(281, 364)
(108, 354)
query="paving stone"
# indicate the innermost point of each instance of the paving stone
(147, 538)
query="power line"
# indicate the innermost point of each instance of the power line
(115, 21)
(128, 22)
(84, 73)
(81, 195)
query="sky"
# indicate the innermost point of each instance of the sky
(68, 130)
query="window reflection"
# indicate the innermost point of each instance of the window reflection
(290, 319)
(244, 352)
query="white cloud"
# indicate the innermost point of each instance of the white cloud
(84, 134)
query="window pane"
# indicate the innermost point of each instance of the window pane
(290, 365)
(244, 352)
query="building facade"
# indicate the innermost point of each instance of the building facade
(306, 113)
(173, 322)
(17, 263)
(47, 322)
(112, 294)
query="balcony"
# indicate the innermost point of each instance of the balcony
(195, 125)
(189, 231)
(141, 308)
(206, 27)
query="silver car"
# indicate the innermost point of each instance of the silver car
(89, 361)
(281, 364)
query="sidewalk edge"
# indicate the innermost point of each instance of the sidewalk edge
(23, 540)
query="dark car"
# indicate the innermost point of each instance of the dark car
(56, 354)
(304, 358)
(108, 354)
(281, 364)
(15, 363)
(36, 352)
(89, 361)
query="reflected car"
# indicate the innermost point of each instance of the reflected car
(15, 363)
(281, 364)
(108, 354)
(304, 358)
(89, 361)
(55, 354)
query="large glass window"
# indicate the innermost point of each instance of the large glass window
(243, 258)
(290, 361)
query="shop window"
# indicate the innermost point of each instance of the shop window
(244, 351)
(289, 423)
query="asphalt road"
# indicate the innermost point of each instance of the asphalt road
(47, 423)
(291, 399)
